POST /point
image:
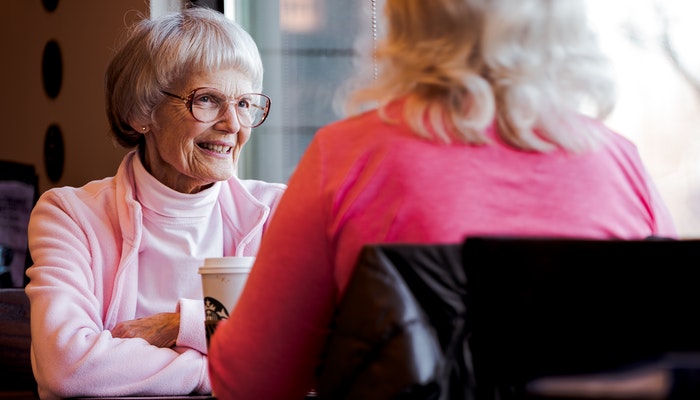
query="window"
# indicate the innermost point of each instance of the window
(651, 45)
(308, 48)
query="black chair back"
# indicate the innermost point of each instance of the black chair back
(16, 380)
(19, 191)
(482, 319)
(551, 307)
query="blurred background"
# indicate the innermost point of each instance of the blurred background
(55, 54)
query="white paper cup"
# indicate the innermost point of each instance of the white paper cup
(223, 280)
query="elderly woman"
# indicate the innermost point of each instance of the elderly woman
(475, 129)
(116, 299)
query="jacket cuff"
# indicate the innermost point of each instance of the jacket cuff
(192, 333)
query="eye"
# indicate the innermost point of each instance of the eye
(207, 100)
(243, 103)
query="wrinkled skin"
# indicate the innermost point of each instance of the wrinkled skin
(188, 156)
(182, 152)
(159, 330)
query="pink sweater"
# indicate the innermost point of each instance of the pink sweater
(362, 181)
(84, 243)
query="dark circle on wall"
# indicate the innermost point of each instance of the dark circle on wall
(52, 69)
(54, 153)
(50, 5)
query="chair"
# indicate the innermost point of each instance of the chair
(583, 312)
(16, 380)
(494, 318)
(19, 191)
(399, 332)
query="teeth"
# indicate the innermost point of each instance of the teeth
(216, 148)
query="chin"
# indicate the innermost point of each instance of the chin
(226, 176)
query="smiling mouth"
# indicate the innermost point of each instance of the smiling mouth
(216, 148)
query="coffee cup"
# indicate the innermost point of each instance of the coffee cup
(223, 279)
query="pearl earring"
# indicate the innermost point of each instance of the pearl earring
(143, 129)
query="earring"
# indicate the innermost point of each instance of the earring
(143, 129)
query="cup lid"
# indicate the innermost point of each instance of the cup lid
(224, 270)
(227, 265)
(229, 261)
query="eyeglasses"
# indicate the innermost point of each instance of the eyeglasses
(208, 104)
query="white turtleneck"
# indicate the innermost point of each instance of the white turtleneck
(179, 231)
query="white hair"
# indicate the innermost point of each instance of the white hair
(158, 53)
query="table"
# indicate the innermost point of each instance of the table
(192, 397)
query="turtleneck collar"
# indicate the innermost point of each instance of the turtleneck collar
(160, 199)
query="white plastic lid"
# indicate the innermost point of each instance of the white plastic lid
(229, 262)
(227, 265)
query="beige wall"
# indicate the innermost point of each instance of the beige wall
(86, 31)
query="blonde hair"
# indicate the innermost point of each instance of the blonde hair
(157, 53)
(532, 65)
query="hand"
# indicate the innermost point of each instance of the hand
(159, 329)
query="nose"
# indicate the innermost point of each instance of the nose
(229, 121)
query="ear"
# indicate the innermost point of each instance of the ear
(140, 126)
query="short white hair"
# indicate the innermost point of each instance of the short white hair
(160, 52)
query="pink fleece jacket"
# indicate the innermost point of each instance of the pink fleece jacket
(363, 181)
(84, 243)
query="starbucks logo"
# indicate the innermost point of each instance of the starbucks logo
(214, 310)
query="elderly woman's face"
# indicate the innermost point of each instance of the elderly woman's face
(188, 155)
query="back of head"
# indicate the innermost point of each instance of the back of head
(531, 65)
(159, 52)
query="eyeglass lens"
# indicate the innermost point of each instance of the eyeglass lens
(209, 104)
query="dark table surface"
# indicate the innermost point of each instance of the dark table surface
(193, 397)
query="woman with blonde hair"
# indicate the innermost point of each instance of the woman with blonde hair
(475, 124)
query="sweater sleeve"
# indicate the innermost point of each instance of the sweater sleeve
(664, 225)
(278, 327)
(76, 249)
(192, 332)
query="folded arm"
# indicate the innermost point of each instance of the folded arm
(79, 298)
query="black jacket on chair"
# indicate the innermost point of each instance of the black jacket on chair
(400, 330)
